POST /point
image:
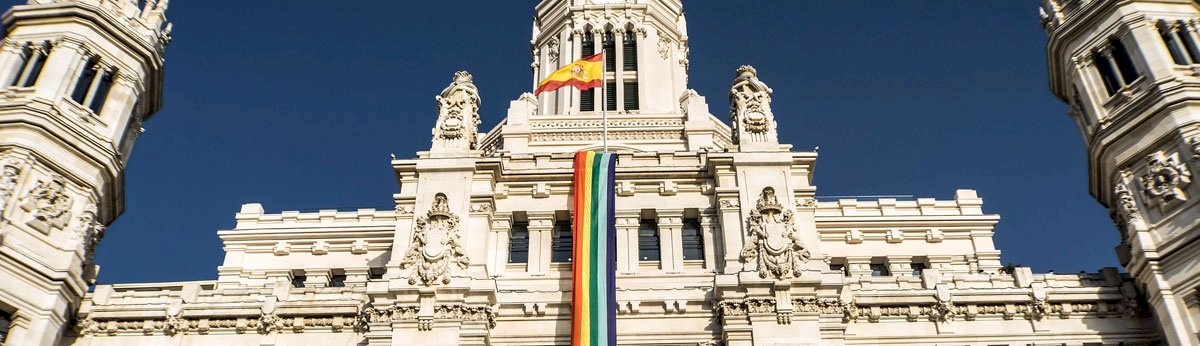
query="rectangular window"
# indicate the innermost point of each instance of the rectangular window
(693, 239)
(837, 267)
(631, 94)
(1125, 65)
(518, 242)
(101, 94)
(880, 269)
(84, 83)
(25, 56)
(35, 71)
(629, 52)
(6, 320)
(337, 280)
(561, 242)
(1108, 75)
(648, 246)
(917, 268)
(376, 273)
(587, 100)
(610, 52)
(610, 95)
(298, 280)
(1173, 47)
(588, 46)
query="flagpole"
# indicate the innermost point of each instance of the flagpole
(604, 94)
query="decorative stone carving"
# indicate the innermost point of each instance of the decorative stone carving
(750, 109)
(435, 245)
(773, 241)
(552, 50)
(49, 204)
(664, 47)
(10, 171)
(1194, 144)
(1125, 210)
(458, 115)
(88, 233)
(1166, 178)
(269, 323)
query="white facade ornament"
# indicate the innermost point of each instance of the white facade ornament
(664, 47)
(458, 115)
(1166, 178)
(9, 172)
(49, 204)
(435, 246)
(750, 109)
(1194, 144)
(773, 241)
(552, 49)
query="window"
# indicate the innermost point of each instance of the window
(648, 240)
(631, 94)
(518, 242)
(1180, 42)
(101, 92)
(629, 52)
(837, 267)
(376, 273)
(92, 86)
(917, 268)
(587, 98)
(880, 269)
(561, 243)
(693, 239)
(33, 59)
(337, 280)
(6, 320)
(1115, 67)
(84, 83)
(610, 52)
(610, 95)
(298, 279)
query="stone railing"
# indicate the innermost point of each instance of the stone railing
(966, 202)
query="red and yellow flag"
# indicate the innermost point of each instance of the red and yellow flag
(583, 74)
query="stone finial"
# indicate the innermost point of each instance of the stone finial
(457, 128)
(750, 112)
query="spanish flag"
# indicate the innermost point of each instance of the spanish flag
(583, 74)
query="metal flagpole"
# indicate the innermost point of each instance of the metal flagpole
(604, 93)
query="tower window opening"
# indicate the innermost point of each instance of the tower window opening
(92, 86)
(630, 51)
(101, 94)
(631, 94)
(610, 95)
(587, 98)
(298, 279)
(880, 268)
(1115, 66)
(518, 242)
(693, 238)
(1170, 37)
(562, 242)
(1108, 75)
(84, 82)
(6, 320)
(34, 59)
(610, 52)
(648, 243)
(1125, 66)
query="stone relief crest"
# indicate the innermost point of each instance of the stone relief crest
(552, 49)
(773, 241)
(435, 245)
(9, 172)
(750, 103)
(49, 204)
(1165, 178)
(458, 114)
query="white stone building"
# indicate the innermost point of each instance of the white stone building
(722, 239)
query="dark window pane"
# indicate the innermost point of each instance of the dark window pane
(630, 52)
(838, 268)
(84, 82)
(101, 93)
(610, 52)
(1190, 45)
(631, 94)
(338, 280)
(1124, 63)
(587, 100)
(518, 243)
(917, 268)
(1107, 74)
(588, 46)
(38, 62)
(1173, 47)
(693, 240)
(562, 242)
(879, 269)
(610, 95)
(26, 56)
(5, 321)
(376, 274)
(648, 240)
(298, 281)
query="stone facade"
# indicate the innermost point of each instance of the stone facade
(77, 79)
(722, 239)
(1129, 72)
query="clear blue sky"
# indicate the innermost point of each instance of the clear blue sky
(297, 104)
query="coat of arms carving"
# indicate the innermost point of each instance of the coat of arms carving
(773, 243)
(49, 204)
(436, 245)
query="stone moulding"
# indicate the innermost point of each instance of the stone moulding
(852, 311)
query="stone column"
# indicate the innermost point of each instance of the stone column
(11, 56)
(1089, 80)
(541, 226)
(858, 265)
(670, 238)
(54, 72)
(731, 233)
(627, 241)
(900, 265)
(316, 277)
(118, 109)
(498, 244)
(709, 227)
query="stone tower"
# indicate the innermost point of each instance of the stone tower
(78, 78)
(1130, 71)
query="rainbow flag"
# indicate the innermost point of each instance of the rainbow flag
(593, 315)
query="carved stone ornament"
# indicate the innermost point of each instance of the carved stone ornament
(750, 108)
(1126, 210)
(552, 50)
(1194, 144)
(88, 232)
(49, 204)
(10, 171)
(773, 240)
(458, 115)
(664, 47)
(435, 246)
(1165, 178)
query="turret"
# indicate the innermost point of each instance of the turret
(77, 79)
